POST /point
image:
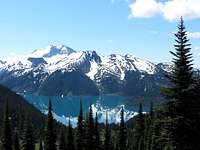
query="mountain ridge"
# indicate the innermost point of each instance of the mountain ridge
(108, 74)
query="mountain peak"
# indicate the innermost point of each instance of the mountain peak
(52, 50)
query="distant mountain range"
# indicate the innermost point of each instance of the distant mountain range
(60, 70)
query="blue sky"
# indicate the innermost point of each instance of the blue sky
(107, 26)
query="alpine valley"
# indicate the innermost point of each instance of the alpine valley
(62, 71)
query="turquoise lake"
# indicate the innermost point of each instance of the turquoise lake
(69, 105)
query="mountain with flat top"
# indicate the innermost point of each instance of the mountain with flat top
(60, 70)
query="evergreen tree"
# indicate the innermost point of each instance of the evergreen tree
(148, 127)
(97, 145)
(41, 145)
(182, 105)
(197, 105)
(50, 137)
(6, 139)
(181, 75)
(90, 130)
(28, 141)
(122, 133)
(107, 141)
(139, 129)
(70, 137)
(16, 142)
(62, 143)
(80, 129)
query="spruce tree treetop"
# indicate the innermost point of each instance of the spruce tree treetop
(139, 129)
(122, 132)
(50, 137)
(181, 76)
(80, 129)
(182, 73)
(180, 111)
(90, 130)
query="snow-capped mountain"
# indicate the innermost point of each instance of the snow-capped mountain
(65, 69)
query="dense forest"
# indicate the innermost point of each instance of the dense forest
(174, 125)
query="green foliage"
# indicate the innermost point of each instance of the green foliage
(28, 141)
(62, 143)
(80, 129)
(182, 73)
(182, 109)
(18, 108)
(149, 119)
(70, 137)
(50, 137)
(90, 137)
(16, 141)
(6, 139)
(122, 132)
(107, 141)
(139, 129)
(97, 143)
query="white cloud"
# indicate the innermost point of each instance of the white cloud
(189, 9)
(170, 9)
(194, 35)
(145, 8)
(197, 50)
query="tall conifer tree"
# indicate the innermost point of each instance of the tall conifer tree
(182, 105)
(107, 141)
(80, 129)
(97, 145)
(122, 132)
(181, 75)
(139, 129)
(148, 127)
(90, 130)
(50, 137)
